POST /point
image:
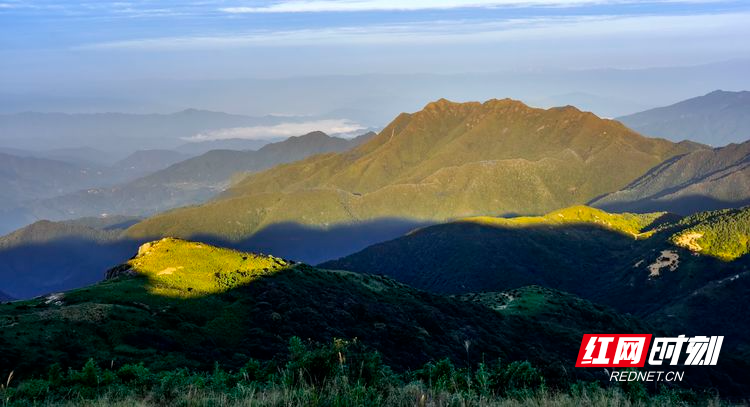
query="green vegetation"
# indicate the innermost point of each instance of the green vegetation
(224, 306)
(722, 234)
(536, 300)
(628, 223)
(341, 373)
(178, 268)
(448, 161)
(582, 250)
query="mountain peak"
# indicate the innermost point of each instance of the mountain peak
(193, 111)
(727, 92)
(313, 135)
(505, 105)
(442, 105)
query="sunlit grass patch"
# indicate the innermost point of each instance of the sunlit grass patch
(635, 225)
(182, 269)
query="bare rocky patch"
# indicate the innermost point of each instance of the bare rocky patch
(668, 259)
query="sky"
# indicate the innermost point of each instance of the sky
(50, 40)
(161, 56)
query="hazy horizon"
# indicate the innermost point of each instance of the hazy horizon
(349, 66)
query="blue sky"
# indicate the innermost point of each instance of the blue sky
(215, 39)
(118, 50)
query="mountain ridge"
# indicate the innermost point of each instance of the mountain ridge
(717, 119)
(701, 180)
(185, 182)
(439, 163)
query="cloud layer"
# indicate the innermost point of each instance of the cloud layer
(455, 32)
(313, 6)
(331, 127)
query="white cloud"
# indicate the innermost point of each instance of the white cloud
(311, 6)
(458, 32)
(331, 127)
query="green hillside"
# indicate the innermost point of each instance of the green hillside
(187, 304)
(446, 161)
(723, 234)
(635, 225)
(623, 260)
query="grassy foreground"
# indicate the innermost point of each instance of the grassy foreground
(342, 373)
(414, 394)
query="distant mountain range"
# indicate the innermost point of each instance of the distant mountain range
(144, 162)
(82, 156)
(715, 119)
(196, 148)
(26, 178)
(448, 160)
(186, 182)
(700, 180)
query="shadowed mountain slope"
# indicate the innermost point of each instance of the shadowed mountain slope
(715, 119)
(449, 160)
(589, 255)
(53, 256)
(698, 181)
(718, 307)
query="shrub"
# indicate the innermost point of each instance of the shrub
(135, 375)
(33, 389)
(518, 377)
